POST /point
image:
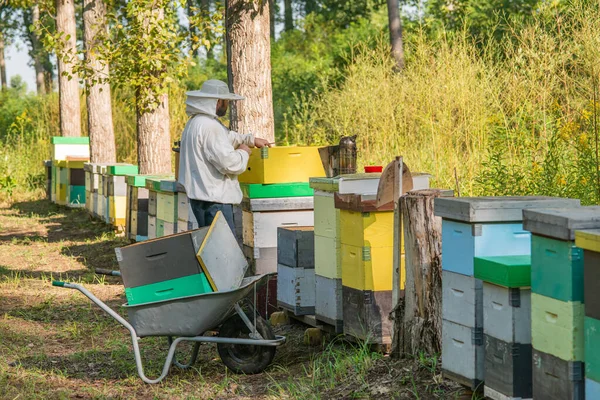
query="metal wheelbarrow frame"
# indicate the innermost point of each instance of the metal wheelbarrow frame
(188, 318)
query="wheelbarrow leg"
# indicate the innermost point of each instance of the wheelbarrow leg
(192, 360)
(134, 338)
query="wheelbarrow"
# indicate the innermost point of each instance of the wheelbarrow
(245, 342)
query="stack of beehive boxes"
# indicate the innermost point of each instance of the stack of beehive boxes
(275, 193)
(557, 300)
(186, 221)
(506, 325)
(64, 149)
(116, 193)
(296, 270)
(366, 254)
(166, 208)
(328, 265)
(136, 223)
(71, 183)
(476, 227)
(589, 241)
(93, 188)
(162, 206)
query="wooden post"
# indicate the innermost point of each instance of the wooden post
(417, 314)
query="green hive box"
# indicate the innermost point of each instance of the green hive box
(76, 194)
(592, 348)
(556, 269)
(70, 140)
(122, 169)
(136, 180)
(507, 271)
(276, 190)
(190, 285)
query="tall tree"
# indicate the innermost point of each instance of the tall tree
(68, 81)
(396, 32)
(288, 15)
(249, 66)
(2, 63)
(8, 25)
(272, 19)
(31, 17)
(99, 110)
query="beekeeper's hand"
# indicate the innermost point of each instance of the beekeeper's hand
(259, 142)
(245, 148)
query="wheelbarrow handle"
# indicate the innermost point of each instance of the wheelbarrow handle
(102, 271)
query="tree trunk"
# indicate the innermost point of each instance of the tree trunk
(100, 123)
(310, 6)
(396, 33)
(288, 17)
(48, 73)
(68, 86)
(154, 140)
(272, 18)
(37, 50)
(249, 67)
(2, 63)
(417, 316)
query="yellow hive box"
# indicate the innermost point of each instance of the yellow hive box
(371, 229)
(117, 210)
(283, 164)
(588, 240)
(369, 268)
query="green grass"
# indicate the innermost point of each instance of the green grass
(57, 344)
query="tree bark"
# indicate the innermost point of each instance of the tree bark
(2, 63)
(417, 316)
(288, 17)
(48, 73)
(396, 33)
(68, 86)
(154, 139)
(99, 110)
(36, 50)
(272, 18)
(249, 67)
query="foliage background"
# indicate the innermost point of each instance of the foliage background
(499, 98)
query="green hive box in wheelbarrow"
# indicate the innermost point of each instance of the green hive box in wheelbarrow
(186, 264)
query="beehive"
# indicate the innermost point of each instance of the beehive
(508, 371)
(283, 165)
(63, 147)
(557, 379)
(589, 241)
(487, 229)
(277, 190)
(137, 208)
(296, 285)
(557, 327)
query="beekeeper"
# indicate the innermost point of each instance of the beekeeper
(212, 156)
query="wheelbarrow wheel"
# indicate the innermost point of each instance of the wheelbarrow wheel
(245, 359)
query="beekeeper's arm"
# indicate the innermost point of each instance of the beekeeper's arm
(222, 154)
(237, 138)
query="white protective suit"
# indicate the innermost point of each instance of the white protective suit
(208, 161)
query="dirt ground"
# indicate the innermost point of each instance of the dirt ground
(54, 343)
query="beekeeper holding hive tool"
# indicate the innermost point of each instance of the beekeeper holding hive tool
(212, 156)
